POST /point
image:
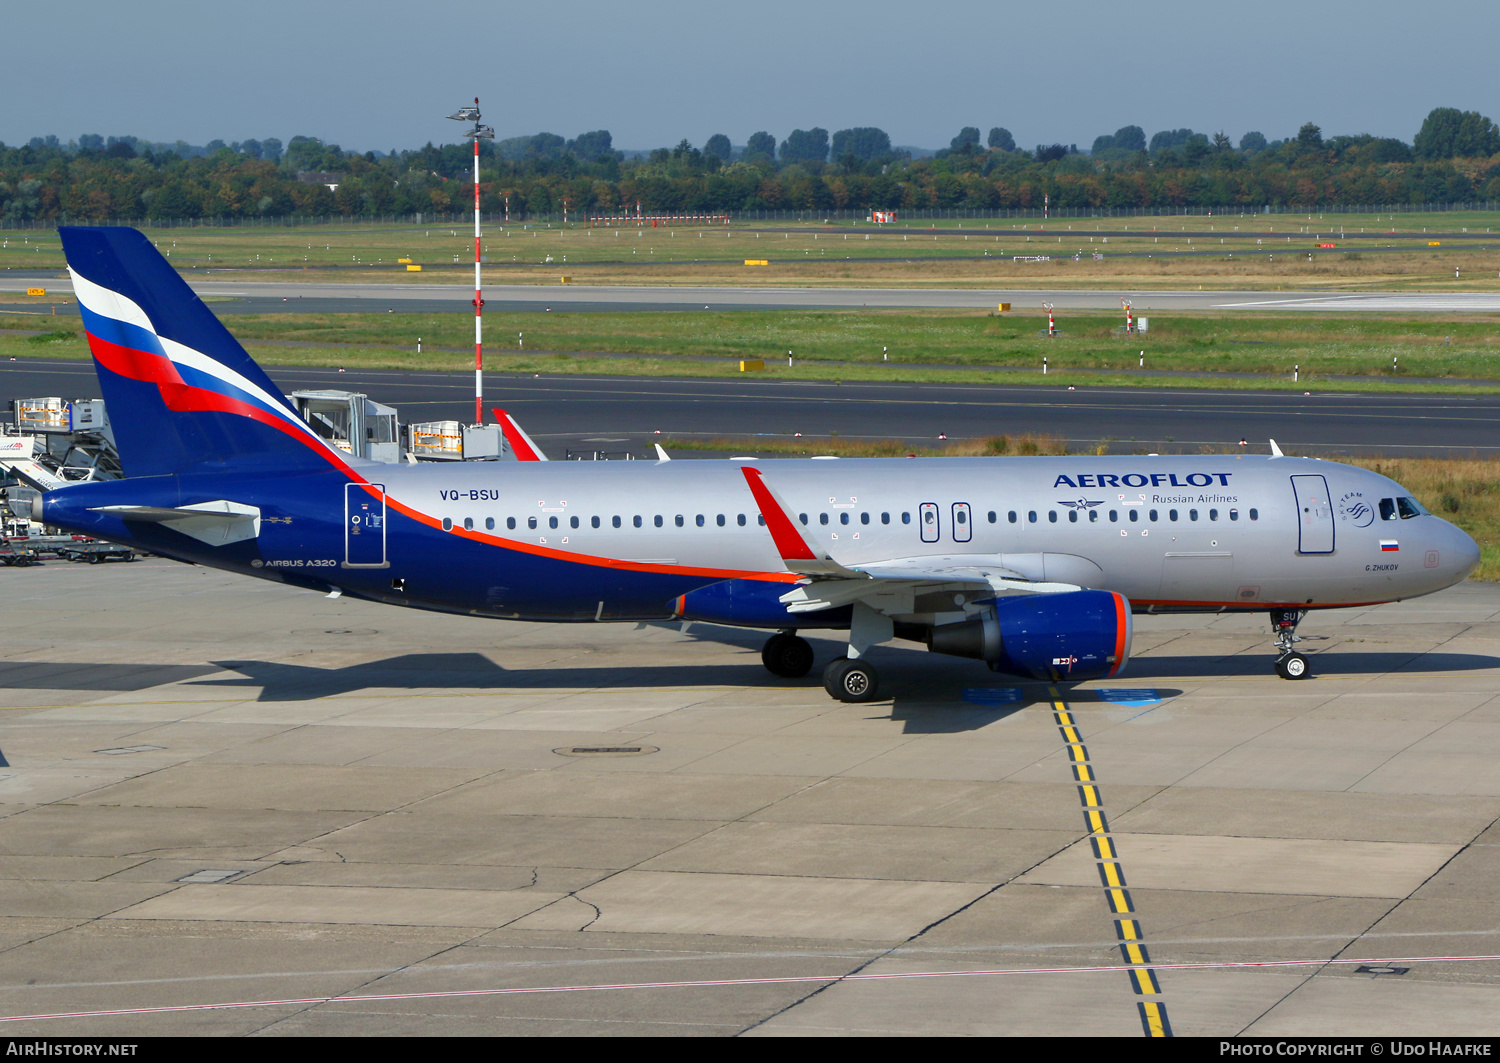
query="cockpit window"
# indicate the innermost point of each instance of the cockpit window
(1387, 509)
(1409, 508)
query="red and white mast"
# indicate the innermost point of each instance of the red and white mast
(478, 133)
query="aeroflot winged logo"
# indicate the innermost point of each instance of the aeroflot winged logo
(1141, 479)
(1082, 503)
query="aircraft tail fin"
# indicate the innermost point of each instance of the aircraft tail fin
(180, 390)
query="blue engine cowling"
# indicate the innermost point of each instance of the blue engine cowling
(1057, 637)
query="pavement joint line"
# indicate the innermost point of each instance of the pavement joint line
(1152, 1010)
(1154, 1016)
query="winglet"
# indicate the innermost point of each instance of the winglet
(520, 443)
(1276, 451)
(789, 541)
(662, 455)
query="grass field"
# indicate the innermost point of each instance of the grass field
(1218, 252)
(918, 343)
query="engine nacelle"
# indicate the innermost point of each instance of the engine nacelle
(1058, 637)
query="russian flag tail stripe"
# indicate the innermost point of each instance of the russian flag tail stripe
(179, 389)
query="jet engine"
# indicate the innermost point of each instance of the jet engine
(1058, 637)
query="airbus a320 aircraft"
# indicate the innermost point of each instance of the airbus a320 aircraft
(1033, 565)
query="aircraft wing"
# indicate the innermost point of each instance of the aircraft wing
(889, 586)
(519, 442)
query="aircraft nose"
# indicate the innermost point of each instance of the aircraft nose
(1460, 553)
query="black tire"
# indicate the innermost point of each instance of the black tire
(850, 680)
(787, 656)
(129, 557)
(94, 559)
(1293, 666)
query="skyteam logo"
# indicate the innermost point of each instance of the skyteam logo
(1354, 508)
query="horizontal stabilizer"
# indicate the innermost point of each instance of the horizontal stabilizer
(216, 523)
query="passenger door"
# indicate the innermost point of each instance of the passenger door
(1314, 515)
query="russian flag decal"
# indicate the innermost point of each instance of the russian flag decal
(1389, 546)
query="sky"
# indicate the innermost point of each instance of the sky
(382, 74)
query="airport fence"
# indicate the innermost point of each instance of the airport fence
(904, 216)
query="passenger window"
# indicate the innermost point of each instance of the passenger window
(741, 519)
(1093, 515)
(447, 524)
(1171, 514)
(1213, 514)
(1153, 516)
(1234, 514)
(1072, 516)
(1052, 515)
(510, 523)
(864, 518)
(657, 520)
(489, 523)
(1387, 509)
(614, 522)
(1255, 514)
(1012, 516)
(1192, 514)
(906, 518)
(679, 520)
(822, 518)
(1114, 516)
(1031, 516)
(962, 516)
(844, 517)
(573, 521)
(1408, 508)
(885, 518)
(593, 522)
(760, 519)
(531, 523)
(468, 524)
(802, 517)
(1135, 515)
(699, 520)
(992, 516)
(551, 522)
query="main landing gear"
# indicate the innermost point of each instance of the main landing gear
(849, 678)
(1289, 663)
(787, 655)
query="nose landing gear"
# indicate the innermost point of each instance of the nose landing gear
(1289, 663)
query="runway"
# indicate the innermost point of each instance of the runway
(588, 413)
(246, 295)
(235, 808)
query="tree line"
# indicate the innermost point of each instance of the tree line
(1453, 158)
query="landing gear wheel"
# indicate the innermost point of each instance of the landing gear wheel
(849, 679)
(1292, 666)
(787, 656)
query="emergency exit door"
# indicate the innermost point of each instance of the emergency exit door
(1314, 515)
(364, 525)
